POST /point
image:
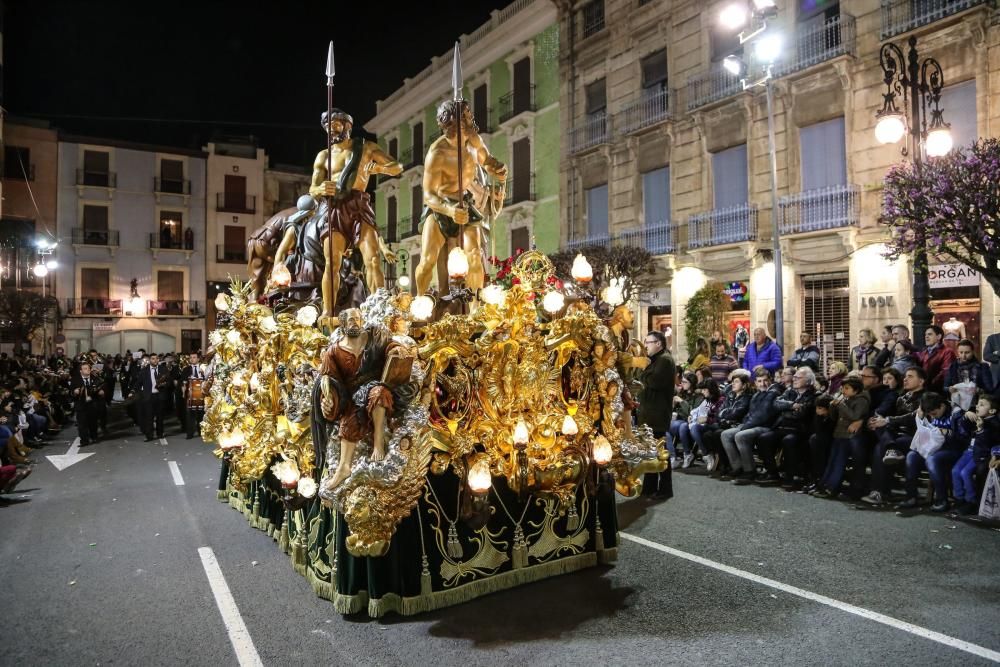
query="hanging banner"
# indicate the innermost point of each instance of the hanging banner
(952, 275)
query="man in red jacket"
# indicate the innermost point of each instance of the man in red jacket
(935, 358)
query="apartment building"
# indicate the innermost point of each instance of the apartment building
(283, 185)
(665, 149)
(511, 74)
(131, 218)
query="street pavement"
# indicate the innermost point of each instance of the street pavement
(101, 566)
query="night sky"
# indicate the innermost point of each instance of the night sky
(175, 73)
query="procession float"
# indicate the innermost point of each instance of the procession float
(411, 452)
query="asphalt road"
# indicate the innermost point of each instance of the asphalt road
(101, 566)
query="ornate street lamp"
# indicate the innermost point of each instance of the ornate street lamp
(920, 84)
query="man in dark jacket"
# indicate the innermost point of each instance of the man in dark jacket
(966, 368)
(152, 384)
(87, 393)
(894, 434)
(762, 352)
(656, 399)
(884, 356)
(756, 423)
(795, 409)
(807, 354)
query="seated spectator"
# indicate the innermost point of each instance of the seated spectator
(904, 357)
(967, 369)
(795, 409)
(865, 352)
(820, 440)
(935, 358)
(936, 410)
(700, 358)
(883, 395)
(850, 408)
(807, 354)
(685, 399)
(969, 474)
(707, 416)
(762, 352)
(787, 377)
(735, 405)
(722, 363)
(835, 375)
(893, 434)
(755, 424)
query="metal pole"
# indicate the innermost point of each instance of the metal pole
(921, 316)
(779, 296)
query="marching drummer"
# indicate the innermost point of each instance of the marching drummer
(193, 377)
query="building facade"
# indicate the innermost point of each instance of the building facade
(283, 185)
(130, 215)
(235, 208)
(511, 71)
(664, 149)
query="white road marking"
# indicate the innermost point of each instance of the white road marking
(917, 630)
(72, 455)
(163, 441)
(175, 472)
(246, 653)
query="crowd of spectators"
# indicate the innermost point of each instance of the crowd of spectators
(865, 426)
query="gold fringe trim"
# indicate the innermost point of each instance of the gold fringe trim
(607, 556)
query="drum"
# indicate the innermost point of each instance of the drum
(195, 395)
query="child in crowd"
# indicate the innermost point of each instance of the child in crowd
(935, 408)
(973, 464)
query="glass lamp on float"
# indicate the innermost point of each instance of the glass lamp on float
(458, 294)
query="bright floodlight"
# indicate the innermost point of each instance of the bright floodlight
(41, 270)
(768, 48)
(733, 16)
(52, 264)
(890, 128)
(763, 5)
(939, 142)
(733, 65)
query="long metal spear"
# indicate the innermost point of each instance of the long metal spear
(456, 85)
(330, 73)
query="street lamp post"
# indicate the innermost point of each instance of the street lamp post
(920, 83)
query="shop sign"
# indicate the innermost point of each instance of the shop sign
(102, 325)
(952, 275)
(737, 292)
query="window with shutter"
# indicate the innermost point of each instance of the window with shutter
(416, 207)
(171, 229)
(390, 223)
(394, 148)
(520, 239)
(597, 212)
(729, 176)
(958, 102)
(480, 108)
(824, 154)
(95, 283)
(234, 237)
(596, 95)
(826, 314)
(172, 176)
(169, 292)
(418, 143)
(654, 71)
(96, 168)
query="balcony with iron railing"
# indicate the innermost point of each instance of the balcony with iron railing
(899, 16)
(520, 189)
(230, 255)
(228, 202)
(660, 238)
(814, 44)
(825, 208)
(593, 18)
(515, 103)
(594, 131)
(720, 226)
(94, 306)
(712, 86)
(171, 186)
(652, 107)
(97, 237)
(408, 227)
(406, 159)
(158, 241)
(173, 308)
(96, 179)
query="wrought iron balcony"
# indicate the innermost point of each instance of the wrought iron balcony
(593, 132)
(899, 16)
(230, 255)
(171, 186)
(94, 306)
(160, 242)
(175, 308)
(816, 43)
(593, 18)
(520, 189)
(658, 238)
(711, 86)
(96, 179)
(485, 120)
(580, 241)
(825, 208)
(513, 104)
(734, 224)
(100, 237)
(407, 227)
(228, 202)
(649, 109)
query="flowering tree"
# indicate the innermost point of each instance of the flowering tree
(953, 204)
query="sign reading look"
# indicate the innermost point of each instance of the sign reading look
(952, 275)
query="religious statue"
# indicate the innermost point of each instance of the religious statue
(264, 242)
(362, 374)
(630, 360)
(454, 200)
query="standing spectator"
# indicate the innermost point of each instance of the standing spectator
(762, 352)
(865, 352)
(807, 354)
(884, 356)
(722, 364)
(756, 423)
(969, 473)
(850, 408)
(966, 368)
(656, 400)
(836, 375)
(935, 358)
(991, 355)
(717, 338)
(700, 358)
(795, 409)
(903, 357)
(939, 464)
(86, 392)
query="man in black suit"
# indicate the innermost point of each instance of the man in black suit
(152, 383)
(87, 394)
(194, 414)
